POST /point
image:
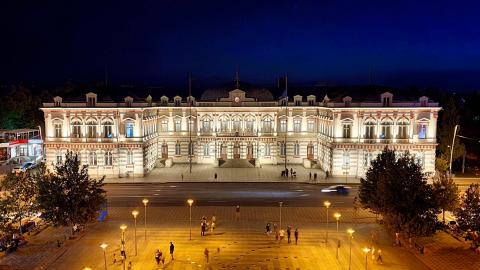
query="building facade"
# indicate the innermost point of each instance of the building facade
(131, 138)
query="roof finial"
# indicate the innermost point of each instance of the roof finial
(237, 80)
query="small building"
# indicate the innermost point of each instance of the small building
(26, 143)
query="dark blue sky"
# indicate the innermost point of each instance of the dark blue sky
(158, 42)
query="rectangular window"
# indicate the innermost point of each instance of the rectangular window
(346, 159)
(108, 159)
(92, 159)
(347, 130)
(283, 149)
(107, 131)
(297, 125)
(178, 150)
(59, 158)
(92, 131)
(130, 157)
(311, 125)
(249, 126)
(402, 132)
(283, 125)
(369, 131)
(164, 126)
(58, 130)
(296, 149)
(129, 130)
(422, 131)
(178, 125)
(206, 150)
(267, 150)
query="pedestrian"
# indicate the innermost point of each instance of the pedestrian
(310, 176)
(289, 233)
(130, 267)
(172, 249)
(214, 218)
(158, 257)
(182, 176)
(114, 258)
(373, 253)
(237, 212)
(379, 257)
(267, 228)
(122, 252)
(281, 234)
(286, 173)
(212, 227)
(203, 227)
(296, 236)
(216, 176)
(206, 254)
(291, 172)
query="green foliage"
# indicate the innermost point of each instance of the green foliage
(468, 215)
(450, 118)
(445, 192)
(441, 164)
(20, 109)
(69, 195)
(19, 198)
(396, 188)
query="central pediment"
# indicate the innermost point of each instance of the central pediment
(237, 96)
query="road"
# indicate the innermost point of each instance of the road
(224, 194)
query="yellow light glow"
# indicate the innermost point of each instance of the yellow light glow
(337, 215)
(103, 246)
(135, 213)
(190, 202)
(350, 231)
(145, 201)
(327, 204)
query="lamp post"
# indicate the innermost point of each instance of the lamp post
(145, 202)
(350, 232)
(123, 228)
(337, 217)
(104, 247)
(190, 202)
(451, 149)
(366, 250)
(327, 205)
(135, 214)
(280, 204)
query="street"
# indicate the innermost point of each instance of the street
(225, 194)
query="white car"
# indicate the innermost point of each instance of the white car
(337, 188)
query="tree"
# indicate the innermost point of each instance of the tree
(450, 117)
(396, 188)
(69, 196)
(468, 215)
(19, 200)
(445, 192)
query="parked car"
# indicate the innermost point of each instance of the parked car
(341, 189)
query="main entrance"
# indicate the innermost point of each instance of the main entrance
(236, 150)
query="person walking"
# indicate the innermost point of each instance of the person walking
(291, 172)
(130, 266)
(158, 256)
(379, 256)
(237, 213)
(206, 252)
(172, 249)
(282, 234)
(296, 236)
(215, 176)
(203, 226)
(289, 233)
(310, 176)
(182, 176)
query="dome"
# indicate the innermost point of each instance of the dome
(214, 94)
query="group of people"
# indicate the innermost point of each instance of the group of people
(207, 226)
(286, 172)
(280, 233)
(160, 258)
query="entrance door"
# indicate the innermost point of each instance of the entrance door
(249, 151)
(236, 150)
(223, 151)
(164, 150)
(310, 151)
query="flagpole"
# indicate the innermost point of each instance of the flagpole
(286, 122)
(189, 121)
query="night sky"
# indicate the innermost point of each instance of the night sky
(158, 42)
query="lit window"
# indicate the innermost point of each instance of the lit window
(283, 125)
(311, 125)
(297, 125)
(129, 157)
(129, 130)
(267, 125)
(58, 130)
(422, 131)
(296, 149)
(178, 149)
(178, 125)
(206, 150)
(92, 159)
(108, 158)
(164, 125)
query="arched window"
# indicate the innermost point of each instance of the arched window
(297, 125)
(92, 158)
(129, 127)
(249, 124)
(76, 129)
(267, 125)
(283, 125)
(108, 158)
(402, 129)
(91, 129)
(386, 132)
(206, 125)
(224, 125)
(369, 129)
(107, 129)
(236, 124)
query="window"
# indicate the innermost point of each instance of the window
(236, 125)
(129, 130)
(92, 130)
(267, 150)
(206, 125)
(178, 125)
(297, 125)
(283, 149)
(224, 125)
(59, 158)
(76, 129)
(347, 130)
(311, 125)
(402, 130)
(178, 149)
(192, 125)
(206, 150)
(108, 158)
(92, 159)
(283, 125)
(164, 125)
(129, 157)
(346, 159)
(91, 101)
(386, 130)
(177, 102)
(249, 125)
(58, 130)
(367, 159)
(107, 130)
(422, 131)
(267, 125)
(296, 149)
(369, 130)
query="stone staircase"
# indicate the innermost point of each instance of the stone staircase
(237, 163)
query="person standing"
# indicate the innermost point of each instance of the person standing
(291, 172)
(237, 212)
(289, 233)
(296, 236)
(203, 226)
(215, 176)
(157, 257)
(182, 176)
(130, 267)
(172, 249)
(315, 177)
(310, 176)
(206, 252)
(379, 257)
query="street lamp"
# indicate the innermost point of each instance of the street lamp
(337, 217)
(327, 205)
(281, 204)
(104, 247)
(350, 232)
(135, 214)
(366, 250)
(190, 202)
(123, 228)
(145, 202)
(451, 149)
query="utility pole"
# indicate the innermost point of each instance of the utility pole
(190, 148)
(451, 150)
(286, 118)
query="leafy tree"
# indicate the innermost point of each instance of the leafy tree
(396, 188)
(441, 163)
(69, 196)
(450, 117)
(19, 200)
(445, 192)
(468, 215)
